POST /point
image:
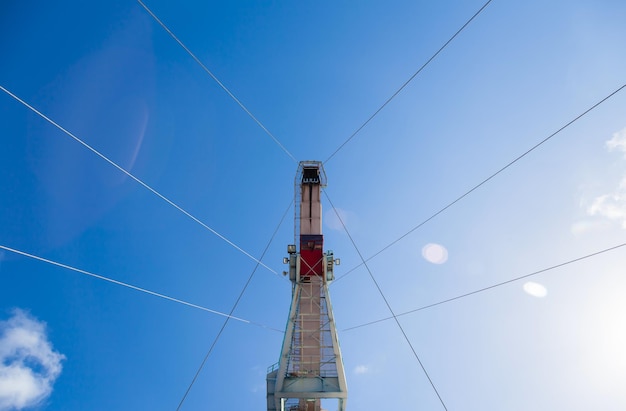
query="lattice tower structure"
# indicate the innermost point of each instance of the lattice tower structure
(310, 367)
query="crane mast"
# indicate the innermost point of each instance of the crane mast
(310, 367)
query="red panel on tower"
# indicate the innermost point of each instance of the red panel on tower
(311, 255)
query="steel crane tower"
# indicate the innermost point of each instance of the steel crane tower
(310, 367)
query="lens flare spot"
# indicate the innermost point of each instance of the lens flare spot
(535, 289)
(435, 253)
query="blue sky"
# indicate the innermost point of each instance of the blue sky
(312, 74)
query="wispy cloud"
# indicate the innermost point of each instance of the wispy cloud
(618, 142)
(361, 369)
(613, 204)
(584, 227)
(28, 364)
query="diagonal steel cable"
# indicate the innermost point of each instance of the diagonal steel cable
(132, 287)
(486, 180)
(458, 297)
(406, 83)
(232, 310)
(204, 67)
(393, 315)
(141, 182)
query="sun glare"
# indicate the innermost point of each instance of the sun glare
(535, 289)
(435, 253)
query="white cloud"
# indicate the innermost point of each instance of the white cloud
(583, 227)
(28, 364)
(618, 142)
(612, 205)
(361, 369)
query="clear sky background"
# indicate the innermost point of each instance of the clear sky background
(312, 73)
